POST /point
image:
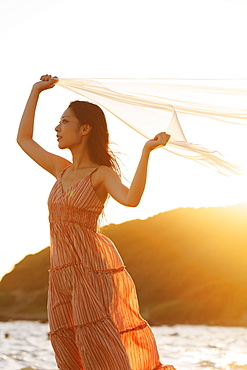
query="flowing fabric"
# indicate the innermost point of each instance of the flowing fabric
(150, 106)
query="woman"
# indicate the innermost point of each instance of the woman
(92, 306)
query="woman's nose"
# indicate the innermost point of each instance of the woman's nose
(57, 128)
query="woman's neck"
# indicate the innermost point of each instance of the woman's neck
(81, 158)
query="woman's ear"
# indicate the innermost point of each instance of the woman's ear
(85, 129)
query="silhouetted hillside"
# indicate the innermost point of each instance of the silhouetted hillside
(189, 266)
(23, 291)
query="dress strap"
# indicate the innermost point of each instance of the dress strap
(94, 170)
(65, 168)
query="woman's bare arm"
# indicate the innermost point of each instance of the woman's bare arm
(50, 162)
(132, 196)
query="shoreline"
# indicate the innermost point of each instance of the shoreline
(43, 320)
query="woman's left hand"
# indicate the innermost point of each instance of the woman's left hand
(158, 141)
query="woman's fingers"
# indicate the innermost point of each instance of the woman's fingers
(46, 82)
(162, 138)
(158, 141)
(48, 78)
(45, 77)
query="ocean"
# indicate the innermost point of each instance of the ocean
(25, 345)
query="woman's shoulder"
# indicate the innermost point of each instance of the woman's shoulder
(103, 173)
(106, 171)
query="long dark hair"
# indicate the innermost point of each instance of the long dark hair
(98, 141)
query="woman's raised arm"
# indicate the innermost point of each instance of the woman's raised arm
(50, 162)
(132, 196)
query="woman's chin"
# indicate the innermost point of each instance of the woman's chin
(61, 146)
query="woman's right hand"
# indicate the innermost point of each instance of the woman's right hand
(46, 82)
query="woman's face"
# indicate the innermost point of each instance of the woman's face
(68, 130)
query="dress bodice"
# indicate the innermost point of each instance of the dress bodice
(73, 217)
(77, 204)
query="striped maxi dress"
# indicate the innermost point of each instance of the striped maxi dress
(92, 304)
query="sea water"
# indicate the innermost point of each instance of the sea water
(25, 344)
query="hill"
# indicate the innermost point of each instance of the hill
(189, 266)
(23, 291)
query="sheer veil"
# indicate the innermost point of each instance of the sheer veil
(150, 106)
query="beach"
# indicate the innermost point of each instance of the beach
(26, 345)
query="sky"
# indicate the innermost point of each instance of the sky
(114, 39)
